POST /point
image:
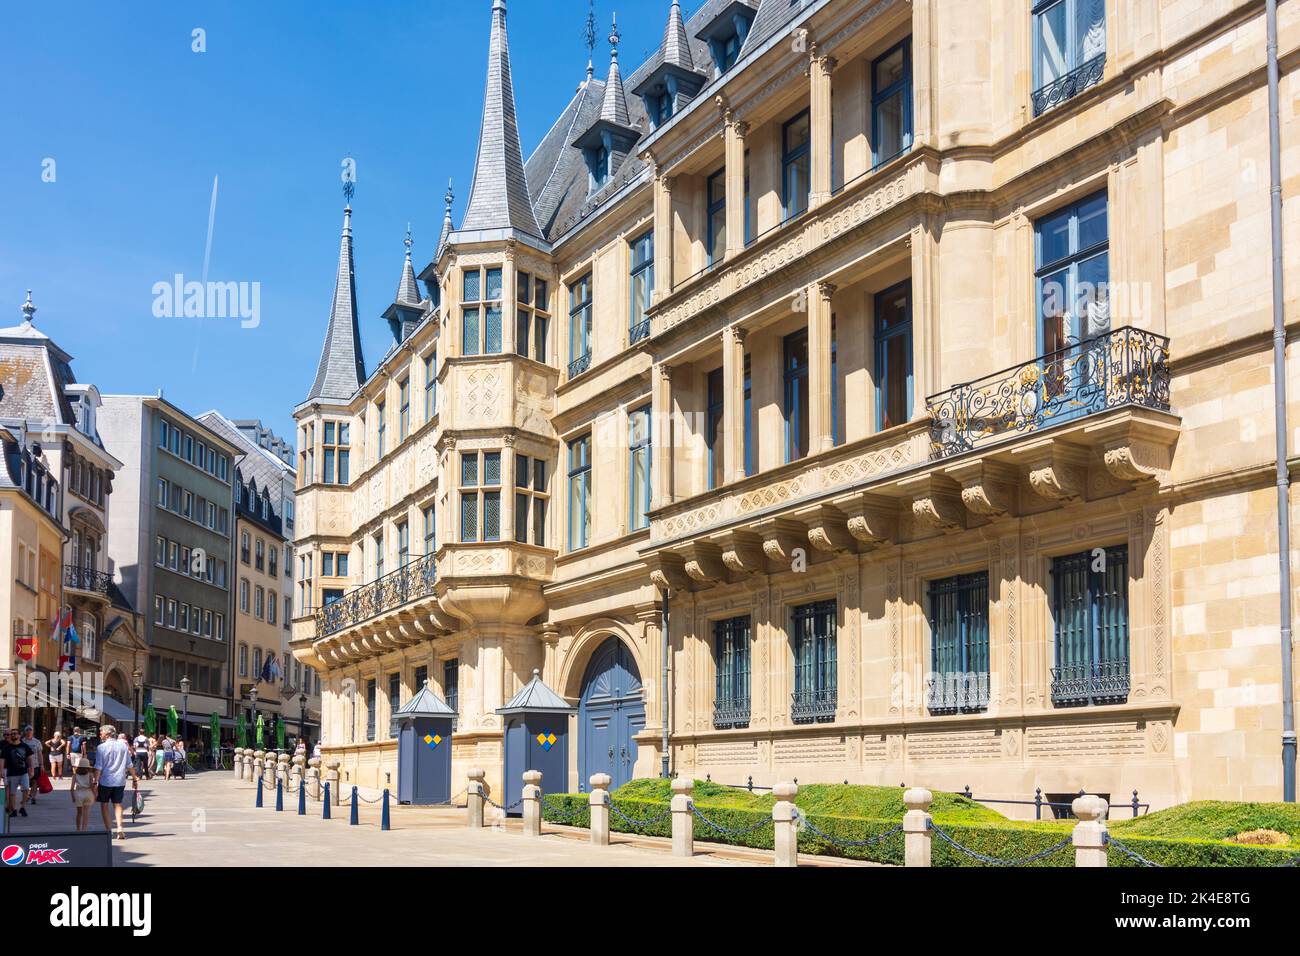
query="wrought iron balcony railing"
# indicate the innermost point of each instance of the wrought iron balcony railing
(579, 365)
(1128, 366)
(731, 712)
(86, 579)
(807, 706)
(1074, 685)
(409, 583)
(957, 693)
(638, 332)
(1069, 85)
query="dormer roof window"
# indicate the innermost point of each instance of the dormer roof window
(672, 78)
(726, 33)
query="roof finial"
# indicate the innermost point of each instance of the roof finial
(407, 241)
(589, 31)
(349, 190)
(449, 197)
(28, 309)
(614, 37)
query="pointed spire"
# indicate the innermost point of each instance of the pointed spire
(408, 293)
(613, 109)
(499, 197)
(342, 367)
(446, 223)
(29, 310)
(677, 46)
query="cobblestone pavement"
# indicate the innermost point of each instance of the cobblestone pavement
(210, 820)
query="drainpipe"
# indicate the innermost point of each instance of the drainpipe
(1279, 413)
(663, 680)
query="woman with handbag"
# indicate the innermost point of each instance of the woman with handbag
(58, 748)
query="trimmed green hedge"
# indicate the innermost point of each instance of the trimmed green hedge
(1214, 820)
(966, 823)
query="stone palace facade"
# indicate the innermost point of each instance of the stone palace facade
(918, 352)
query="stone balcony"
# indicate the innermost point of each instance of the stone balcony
(1088, 422)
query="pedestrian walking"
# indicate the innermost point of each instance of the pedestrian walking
(58, 748)
(17, 758)
(38, 762)
(141, 753)
(83, 790)
(168, 756)
(77, 743)
(112, 765)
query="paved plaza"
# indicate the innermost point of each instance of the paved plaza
(210, 820)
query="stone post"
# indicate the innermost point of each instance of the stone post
(298, 767)
(916, 827)
(474, 797)
(282, 770)
(683, 821)
(245, 765)
(785, 837)
(332, 778)
(532, 803)
(268, 770)
(238, 764)
(599, 803)
(1089, 834)
(255, 771)
(313, 778)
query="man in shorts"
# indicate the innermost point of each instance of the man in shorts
(112, 764)
(17, 758)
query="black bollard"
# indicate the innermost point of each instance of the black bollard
(325, 807)
(259, 792)
(354, 821)
(384, 822)
(279, 795)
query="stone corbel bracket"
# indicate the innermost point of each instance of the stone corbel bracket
(988, 488)
(1137, 449)
(1058, 471)
(703, 563)
(828, 530)
(872, 519)
(936, 502)
(781, 538)
(742, 551)
(668, 571)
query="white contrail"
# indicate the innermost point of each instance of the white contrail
(207, 258)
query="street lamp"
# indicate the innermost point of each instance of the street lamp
(252, 724)
(302, 718)
(185, 707)
(137, 681)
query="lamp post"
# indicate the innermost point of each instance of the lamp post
(252, 724)
(137, 681)
(185, 707)
(302, 718)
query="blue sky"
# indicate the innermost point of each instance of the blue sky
(138, 125)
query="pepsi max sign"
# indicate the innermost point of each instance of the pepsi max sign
(54, 850)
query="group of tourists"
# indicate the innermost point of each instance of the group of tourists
(96, 777)
(159, 755)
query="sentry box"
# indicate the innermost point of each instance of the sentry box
(536, 738)
(423, 730)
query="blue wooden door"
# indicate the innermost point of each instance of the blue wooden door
(610, 712)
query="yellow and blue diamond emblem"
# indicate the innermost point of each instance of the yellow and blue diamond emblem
(546, 741)
(432, 740)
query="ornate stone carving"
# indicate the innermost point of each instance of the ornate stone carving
(742, 552)
(780, 539)
(1057, 471)
(873, 520)
(668, 571)
(703, 563)
(827, 529)
(987, 488)
(936, 503)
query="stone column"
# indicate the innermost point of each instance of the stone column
(821, 435)
(661, 468)
(683, 819)
(532, 803)
(332, 778)
(733, 408)
(1089, 835)
(785, 838)
(916, 827)
(820, 144)
(663, 200)
(734, 135)
(508, 460)
(508, 296)
(474, 797)
(599, 803)
(313, 779)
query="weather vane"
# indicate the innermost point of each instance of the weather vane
(590, 32)
(349, 188)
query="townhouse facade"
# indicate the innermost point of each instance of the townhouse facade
(858, 391)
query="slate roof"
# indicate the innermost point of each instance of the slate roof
(342, 367)
(499, 197)
(254, 463)
(771, 17)
(536, 697)
(34, 373)
(425, 703)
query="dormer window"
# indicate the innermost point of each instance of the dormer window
(598, 165)
(662, 108)
(726, 33)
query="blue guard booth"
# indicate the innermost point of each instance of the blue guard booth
(537, 738)
(423, 731)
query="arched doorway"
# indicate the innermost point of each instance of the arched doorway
(611, 712)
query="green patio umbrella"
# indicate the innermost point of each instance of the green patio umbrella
(214, 725)
(150, 720)
(279, 733)
(261, 732)
(241, 731)
(173, 722)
